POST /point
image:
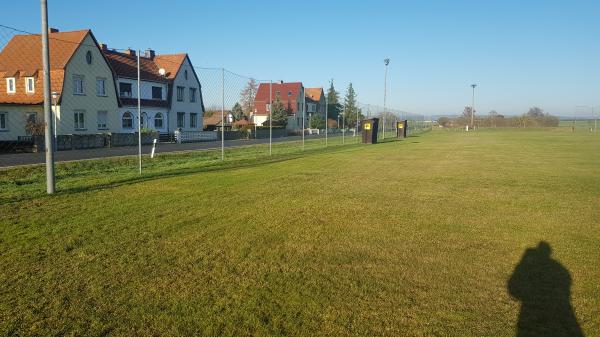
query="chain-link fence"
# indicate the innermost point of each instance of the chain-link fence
(144, 107)
(585, 118)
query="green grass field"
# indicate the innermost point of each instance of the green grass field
(411, 238)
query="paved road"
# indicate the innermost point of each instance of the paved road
(21, 159)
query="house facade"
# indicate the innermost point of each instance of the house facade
(81, 79)
(94, 88)
(315, 101)
(291, 96)
(170, 92)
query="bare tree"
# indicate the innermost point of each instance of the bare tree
(247, 97)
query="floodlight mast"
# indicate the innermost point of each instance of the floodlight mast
(473, 106)
(386, 62)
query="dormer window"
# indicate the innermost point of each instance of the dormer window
(10, 85)
(29, 85)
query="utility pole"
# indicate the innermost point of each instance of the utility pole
(473, 106)
(49, 127)
(386, 62)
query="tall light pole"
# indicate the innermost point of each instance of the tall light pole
(386, 62)
(473, 105)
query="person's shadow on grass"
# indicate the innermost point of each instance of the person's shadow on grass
(543, 286)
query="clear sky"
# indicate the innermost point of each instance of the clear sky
(520, 53)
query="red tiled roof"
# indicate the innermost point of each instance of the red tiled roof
(288, 94)
(314, 94)
(170, 63)
(22, 57)
(215, 118)
(125, 65)
(242, 122)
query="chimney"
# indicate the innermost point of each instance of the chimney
(103, 47)
(281, 82)
(130, 52)
(52, 30)
(149, 54)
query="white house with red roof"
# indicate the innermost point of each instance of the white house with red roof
(171, 96)
(81, 78)
(290, 94)
(95, 88)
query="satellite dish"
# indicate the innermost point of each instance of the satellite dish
(162, 71)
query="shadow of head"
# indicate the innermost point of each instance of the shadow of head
(543, 286)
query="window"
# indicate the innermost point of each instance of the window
(181, 119)
(290, 93)
(88, 57)
(193, 120)
(127, 120)
(78, 88)
(158, 121)
(101, 86)
(29, 85)
(79, 120)
(180, 93)
(31, 117)
(102, 120)
(3, 121)
(10, 85)
(192, 95)
(124, 89)
(156, 92)
(143, 119)
(185, 74)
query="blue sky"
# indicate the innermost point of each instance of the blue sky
(520, 53)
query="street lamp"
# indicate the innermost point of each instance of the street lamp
(386, 62)
(473, 105)
(55, 101)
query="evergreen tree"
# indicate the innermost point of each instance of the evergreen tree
(333, 102)
(237, 112)
(351, 107)
(279, 113)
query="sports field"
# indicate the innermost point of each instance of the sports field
(420, 237)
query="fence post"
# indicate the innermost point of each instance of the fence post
(139, 114)
(222, 113)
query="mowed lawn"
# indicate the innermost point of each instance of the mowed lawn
(411, 238)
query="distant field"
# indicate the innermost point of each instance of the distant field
(417, 238)
(585, 124)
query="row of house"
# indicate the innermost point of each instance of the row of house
(95, 88)
(293, 95)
